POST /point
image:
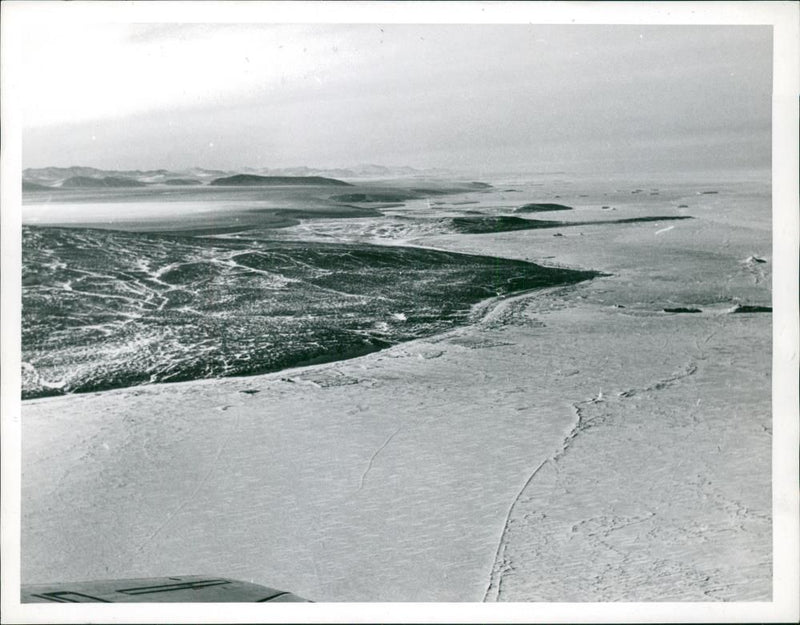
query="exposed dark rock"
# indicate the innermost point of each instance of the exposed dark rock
(634, 220)
(751, 309)
(542, 207)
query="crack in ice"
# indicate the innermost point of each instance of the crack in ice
(375, 455)
(689, 369)
(502, 564)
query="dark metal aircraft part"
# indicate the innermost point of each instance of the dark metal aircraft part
(183, 589)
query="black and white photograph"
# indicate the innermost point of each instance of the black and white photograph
(442, 304)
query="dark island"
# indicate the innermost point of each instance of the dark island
(254, 180)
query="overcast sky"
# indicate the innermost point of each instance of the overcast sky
(472, 97)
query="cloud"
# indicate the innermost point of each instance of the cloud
(91, 72)
(426, 95)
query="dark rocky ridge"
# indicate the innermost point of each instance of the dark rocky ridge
(235, 306)
(506, 223)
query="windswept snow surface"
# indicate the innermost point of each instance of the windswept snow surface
(572, 444)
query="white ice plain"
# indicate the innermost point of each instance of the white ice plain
(573, 444)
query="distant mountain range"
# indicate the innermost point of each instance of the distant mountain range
(105, 181)
(90, 177)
